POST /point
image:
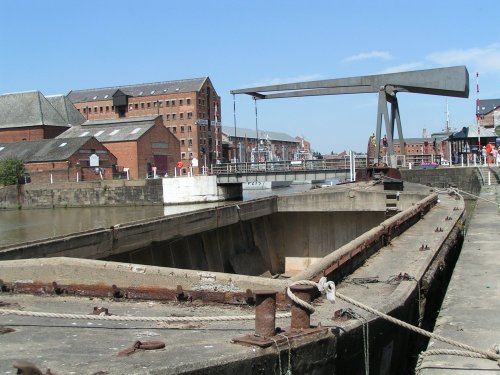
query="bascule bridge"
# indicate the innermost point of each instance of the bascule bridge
(449, 81)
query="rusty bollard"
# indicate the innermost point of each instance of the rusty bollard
(301, 317)
(265, 313)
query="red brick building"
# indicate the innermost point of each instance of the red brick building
(191, 111)
(139, 143)
(29, 116)
(62, 160)
(436, 145)
(239, 142)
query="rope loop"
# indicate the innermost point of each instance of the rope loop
(324, 286)
(328, 288)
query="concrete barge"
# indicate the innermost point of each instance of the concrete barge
(390, 252)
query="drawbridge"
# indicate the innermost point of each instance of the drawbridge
(449, 81)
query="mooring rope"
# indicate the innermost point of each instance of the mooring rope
(462, 353)
(459, 193)
(325, 285)
(122, 318)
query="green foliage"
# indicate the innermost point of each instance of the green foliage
(11, 171)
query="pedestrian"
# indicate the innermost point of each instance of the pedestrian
(489, 148)
(498, 157)
(494, 155)
(483, 155)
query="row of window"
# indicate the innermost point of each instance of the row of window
(173, 129)
(183, 128)
(189, 142)
(159, 103)
(173, 116)
(101, 109)
(168, 116)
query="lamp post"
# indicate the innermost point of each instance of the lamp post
(257, 130)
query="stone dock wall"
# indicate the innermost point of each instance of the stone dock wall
(467, 179)
(150, 192)
(82, 194)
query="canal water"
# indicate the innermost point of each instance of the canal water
(19, 226)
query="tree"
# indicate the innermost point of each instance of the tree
(11, 171)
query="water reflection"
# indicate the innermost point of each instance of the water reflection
(18, 226)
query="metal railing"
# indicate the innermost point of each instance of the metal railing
(340, 163)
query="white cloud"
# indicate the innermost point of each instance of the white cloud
(484, 59)
(369, 55)
(403, 68)
(280, 81)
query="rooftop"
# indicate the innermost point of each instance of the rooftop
(113, 130)
(142, 89)
(26, 109)
(263, 134)
(42, 150)
(488, 105)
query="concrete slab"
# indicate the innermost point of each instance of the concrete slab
(470, 310)
(88, 347)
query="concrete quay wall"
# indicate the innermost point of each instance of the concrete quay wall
(160, 191)
(248, 238)
(198, 189)
(82, 194)
(467, 179)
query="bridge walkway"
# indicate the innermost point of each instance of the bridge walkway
(470, 309)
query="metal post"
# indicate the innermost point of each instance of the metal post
(234, 115)
(301, 317)
(265, 313)
(257, 130)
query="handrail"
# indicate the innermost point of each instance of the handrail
(288, 166)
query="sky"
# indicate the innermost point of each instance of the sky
(55, 46)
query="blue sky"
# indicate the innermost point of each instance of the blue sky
(55, 46)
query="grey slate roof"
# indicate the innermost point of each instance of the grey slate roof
(472, 132)
(66, 109)
(26, 109)
(263, 134)
(144, 89)
(113, 130)
(45, 150)
(488, 105)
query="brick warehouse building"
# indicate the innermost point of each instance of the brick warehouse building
(62, 160)
(139, 143)
(191, 110)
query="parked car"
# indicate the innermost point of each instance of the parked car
(431, 165)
